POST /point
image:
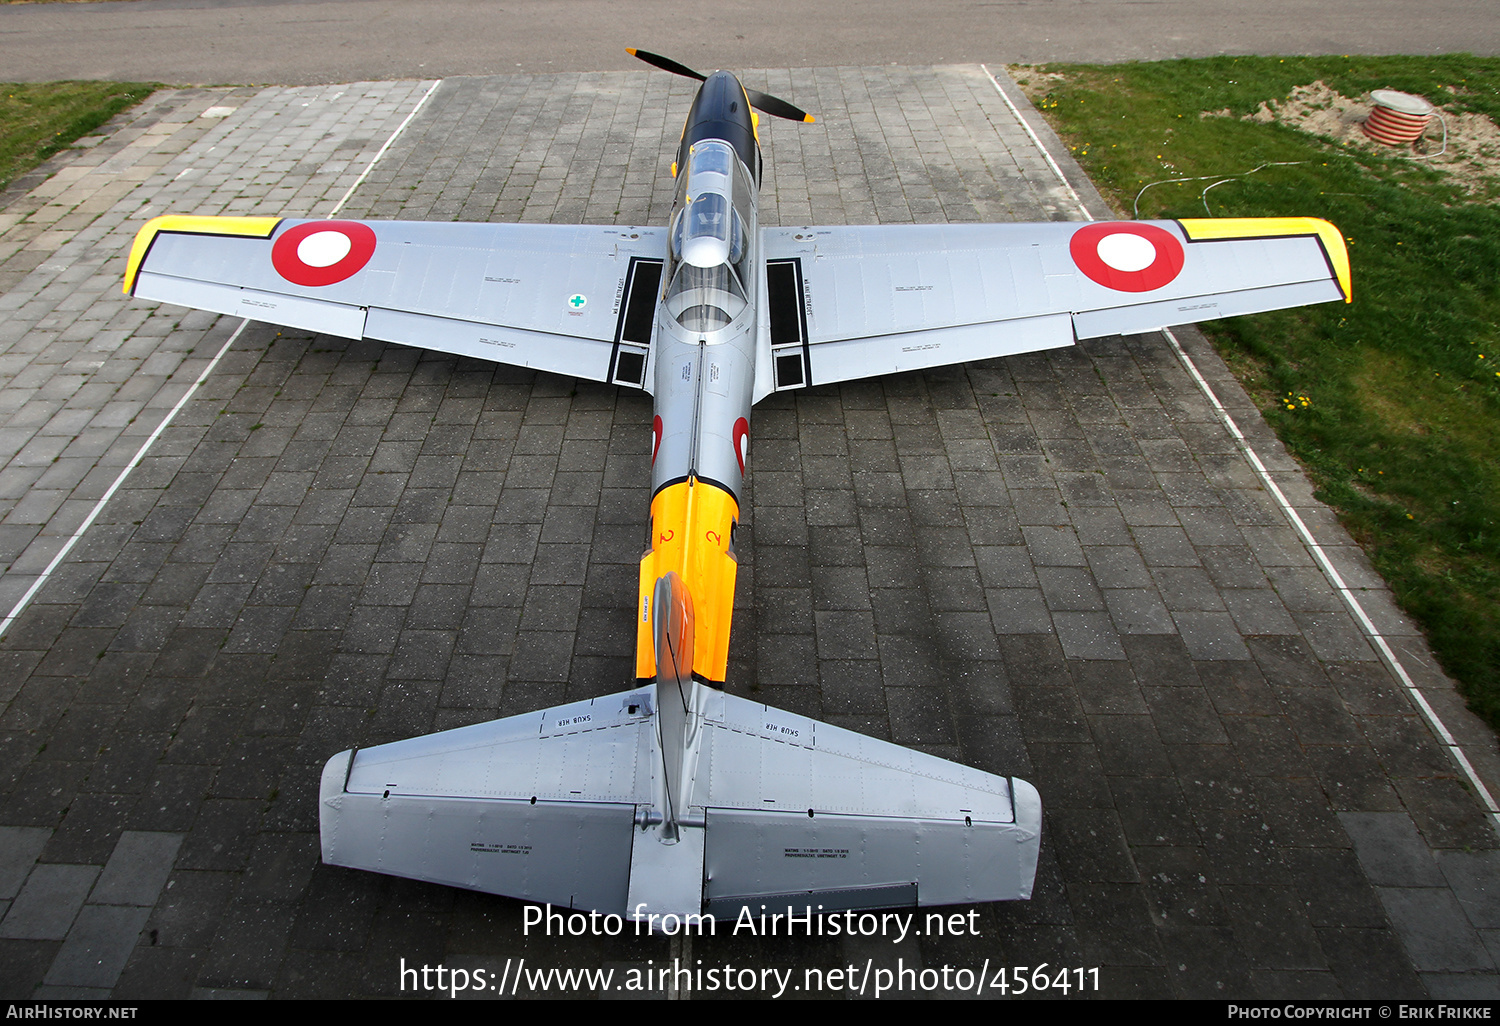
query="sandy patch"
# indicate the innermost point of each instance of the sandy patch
(1472, 156)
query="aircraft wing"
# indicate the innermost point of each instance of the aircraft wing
(570, 299)
(855, 302)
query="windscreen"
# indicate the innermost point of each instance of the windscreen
(705, 299)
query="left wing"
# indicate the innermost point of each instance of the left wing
(854, 302)
(571, 299)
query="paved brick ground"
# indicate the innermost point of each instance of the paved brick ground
(1057, 566)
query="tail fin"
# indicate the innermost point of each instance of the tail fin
(676, 713)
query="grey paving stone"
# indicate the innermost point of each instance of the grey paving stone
(1444, 810)
(1434, 930)
(48, 902)
(1087, 636)
(1184, 715)
(1475, 883)
(1390, 850)
(1258, 611)
(1117, 566)
(1091, 845)
(1138, 611)
(1054, 546)
(1334, 894)
(1370, 964)
(1270, 924)
(1019, 611)
(1069, 589)
(97, 946)
(137, 870)
(19, 849)
(1210, 635)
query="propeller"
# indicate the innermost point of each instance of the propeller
(773, 105)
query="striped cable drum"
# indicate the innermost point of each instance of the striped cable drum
(1397, 118)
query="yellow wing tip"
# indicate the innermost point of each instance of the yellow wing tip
(808, 119)
(630, 50)
(138, 249)
(1203, 228)
(244, 227)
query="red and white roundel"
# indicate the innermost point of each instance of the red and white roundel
(322, 252)
(655, 438)
(1126, 256)
(742, 442)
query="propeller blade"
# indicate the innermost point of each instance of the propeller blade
(665, 64)
(777, 107)
(773, 105)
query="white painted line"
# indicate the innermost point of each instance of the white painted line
(1036, 139)
(73, 540)
(399, 129)
(1335, 578)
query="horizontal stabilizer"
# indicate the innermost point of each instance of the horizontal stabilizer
(539, 806)
(795, 807)
(556, 806)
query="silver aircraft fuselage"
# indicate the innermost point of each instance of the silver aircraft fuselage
(703, 355)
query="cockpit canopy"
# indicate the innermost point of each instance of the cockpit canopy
(709, 241)
(708, 230)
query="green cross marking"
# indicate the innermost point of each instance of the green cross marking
(577, 301)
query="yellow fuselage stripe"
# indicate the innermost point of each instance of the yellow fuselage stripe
(691, 529)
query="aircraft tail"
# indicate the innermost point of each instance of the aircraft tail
(680, 799)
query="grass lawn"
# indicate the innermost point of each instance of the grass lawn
(1392, 403)
(37, 120)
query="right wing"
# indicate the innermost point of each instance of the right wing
(571, 299)
(854, 302)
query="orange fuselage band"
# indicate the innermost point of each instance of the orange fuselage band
(692, 532)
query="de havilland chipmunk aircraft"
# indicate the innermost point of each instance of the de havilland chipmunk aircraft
(673, 797)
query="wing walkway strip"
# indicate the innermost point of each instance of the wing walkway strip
(1324, 562)
(88, 521)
